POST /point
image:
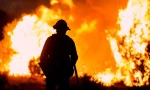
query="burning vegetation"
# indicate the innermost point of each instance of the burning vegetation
(129, 42)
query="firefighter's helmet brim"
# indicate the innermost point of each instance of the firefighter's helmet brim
(61, 24)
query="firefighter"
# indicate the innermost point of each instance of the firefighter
(58, 57)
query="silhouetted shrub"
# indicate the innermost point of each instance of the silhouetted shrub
(3, 79)
(86, 82)
(5, 18)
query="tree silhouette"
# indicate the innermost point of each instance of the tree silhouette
(4, 19)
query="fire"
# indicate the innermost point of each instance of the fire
(27, 40)
(28, 36)
(67, 2)
(53, 2)
(105, 77)
(129, 43)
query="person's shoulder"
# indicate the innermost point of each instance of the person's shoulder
(48, 37)
(52, 36)
(69, 38)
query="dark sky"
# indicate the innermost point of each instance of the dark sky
(19, 6)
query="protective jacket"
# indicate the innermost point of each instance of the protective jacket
(58, 56)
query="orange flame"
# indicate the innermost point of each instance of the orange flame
(130, 42)
(67, 2)
(29, 34)
(27, 40)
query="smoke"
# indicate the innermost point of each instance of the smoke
(17, 7)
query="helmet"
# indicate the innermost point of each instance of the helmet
(61, 24)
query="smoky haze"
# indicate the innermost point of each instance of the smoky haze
(93, 48)
(16, 7)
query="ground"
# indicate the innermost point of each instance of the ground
(37, 83)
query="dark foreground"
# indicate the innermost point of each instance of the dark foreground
(32, 83)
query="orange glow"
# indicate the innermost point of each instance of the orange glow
(67, 2)
(106, 77)
(27, 40)
(128, 43)
(53, 2)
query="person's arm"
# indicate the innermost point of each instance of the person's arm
(44, 50)
(73, 53)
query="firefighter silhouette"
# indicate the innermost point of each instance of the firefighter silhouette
(58, 57)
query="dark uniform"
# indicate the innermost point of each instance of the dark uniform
(58, 57)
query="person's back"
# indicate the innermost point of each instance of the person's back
(57, 49)
(60, 47)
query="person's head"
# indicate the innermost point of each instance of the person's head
(61, 26)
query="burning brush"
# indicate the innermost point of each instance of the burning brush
(129, 44)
